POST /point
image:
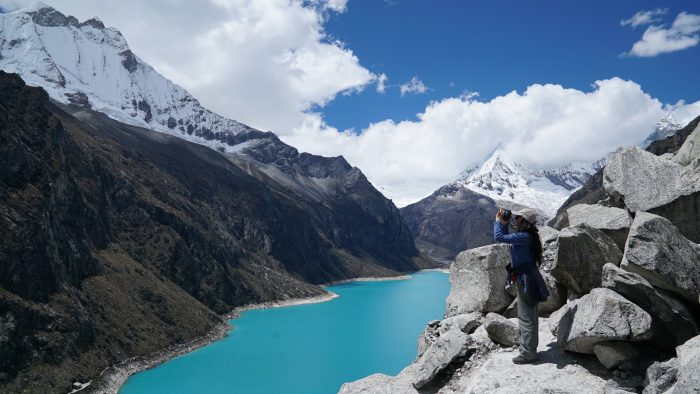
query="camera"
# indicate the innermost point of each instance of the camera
(506, 215)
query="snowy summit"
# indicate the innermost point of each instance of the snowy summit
(666, 127)
(88, 64)
(505, 180)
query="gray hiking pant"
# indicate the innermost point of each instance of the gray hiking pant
(527, 323)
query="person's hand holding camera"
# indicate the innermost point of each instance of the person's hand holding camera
(500, 216)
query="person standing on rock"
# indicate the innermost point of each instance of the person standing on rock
(526, 257)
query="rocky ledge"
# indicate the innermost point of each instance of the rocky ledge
(624, 310)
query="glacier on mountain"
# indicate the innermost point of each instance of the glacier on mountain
(666, 127)
(513, 184)
(88, 64)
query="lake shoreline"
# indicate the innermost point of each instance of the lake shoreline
(445, 270)
(236, 313)
(367, 279)
(114, 377)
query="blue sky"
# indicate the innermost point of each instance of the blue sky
(495, 47)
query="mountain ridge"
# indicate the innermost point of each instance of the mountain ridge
(98, 70)
(128, 89)
(506, 180)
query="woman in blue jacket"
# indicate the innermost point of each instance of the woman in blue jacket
(526, 257)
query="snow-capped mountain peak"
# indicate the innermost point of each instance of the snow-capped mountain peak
(498, 173)
(505, 180)
(88, 64)
(666, 127)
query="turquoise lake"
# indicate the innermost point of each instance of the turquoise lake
(314, 348)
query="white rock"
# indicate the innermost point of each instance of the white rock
(440, 354)
(377, 384)
(644, 180)
(677, 375)
(466, 323)
(556, 372)
(690, 150)
(600, 316)
(581, 254)
(658, 251)
(613, 354)
(557, 295)
(501, 330)
(512, 310)
(477, 278)
(615, 222)
(672, 322)
(548, 237)
(556, 317)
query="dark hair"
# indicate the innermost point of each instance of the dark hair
(536, 243)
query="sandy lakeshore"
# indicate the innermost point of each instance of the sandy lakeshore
(368, 279)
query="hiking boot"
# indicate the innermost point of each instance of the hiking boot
(522, 360)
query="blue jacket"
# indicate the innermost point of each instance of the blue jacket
(522, 260)
(521, 256)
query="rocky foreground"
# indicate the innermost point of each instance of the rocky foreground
(624, 310)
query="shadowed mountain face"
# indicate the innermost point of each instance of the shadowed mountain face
(117, 241)
(327, 223)
(451, 220)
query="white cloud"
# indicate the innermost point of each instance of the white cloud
(415, 86)
(11, 5)
(544, 127)
(264, 63)
(267, 63)
(658, 39)
(335, 5)
(381, 83)
(644, 17)
(684, 112)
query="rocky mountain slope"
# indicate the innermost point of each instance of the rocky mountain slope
(91, 66)
(147, 217)
(111, 233)
(622, 319)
